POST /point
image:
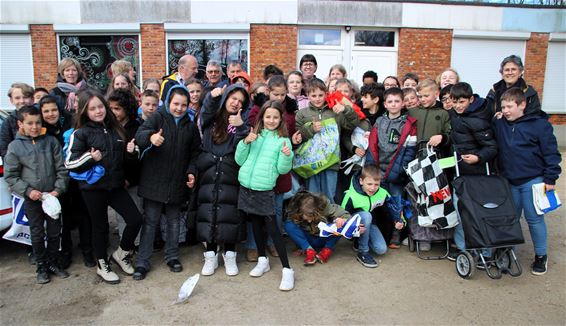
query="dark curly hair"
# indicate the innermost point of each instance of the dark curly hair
(126, 100)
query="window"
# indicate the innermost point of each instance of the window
(310, 36)
(374, 38)
(96, 53)
(222, 50)
(16, 64)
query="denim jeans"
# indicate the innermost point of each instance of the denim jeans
(324, 183)
(152, 214)
(396, 192)
(36, 219)
(523, 199)
(372, 237)
(304, 240)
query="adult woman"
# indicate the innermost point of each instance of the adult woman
(69, 82)
(511, 71)
(308, 66)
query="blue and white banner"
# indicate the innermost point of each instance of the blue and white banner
(19, 231)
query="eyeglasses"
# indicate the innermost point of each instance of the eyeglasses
(445, 99)
(213, 72)
(308, 64)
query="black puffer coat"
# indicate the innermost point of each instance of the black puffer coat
(109, 143)
(494, 96)
(218, 218)
(165, 168)
(472, 134)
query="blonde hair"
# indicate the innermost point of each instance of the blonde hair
(445, 70)
(427, 83)
(27, 90)
(121, 67)
(66, 63)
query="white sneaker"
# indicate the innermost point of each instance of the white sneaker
(124, 259)
(261, 267)
(287, 280)
(106, 272)
(405, 242)
(230, 263)
(210, 263)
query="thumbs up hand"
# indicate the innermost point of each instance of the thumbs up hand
(217, 91)
(190, 180)
(131, 147)
(236, 119)
(157, 138)
(285, 150)
(252, 136)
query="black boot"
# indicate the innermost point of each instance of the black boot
(42, 273)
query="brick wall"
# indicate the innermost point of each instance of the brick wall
(425, 52)
(557, 119)
(154, 62)
(535, 61)
(44, 54)
(272, 44)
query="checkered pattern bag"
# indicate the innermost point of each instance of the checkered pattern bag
(433, 196)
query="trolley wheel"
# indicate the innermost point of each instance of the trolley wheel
(465, 265)
(412, 244)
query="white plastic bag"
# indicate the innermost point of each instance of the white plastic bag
(186, 289)
(50, 205)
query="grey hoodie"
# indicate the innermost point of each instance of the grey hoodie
(389, 133)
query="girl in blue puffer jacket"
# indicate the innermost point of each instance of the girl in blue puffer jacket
(264, 155)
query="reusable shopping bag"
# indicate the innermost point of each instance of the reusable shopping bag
(320, 152)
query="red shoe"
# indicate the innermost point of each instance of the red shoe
(324, 255)
(311, 257)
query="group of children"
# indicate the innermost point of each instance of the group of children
(234, 148)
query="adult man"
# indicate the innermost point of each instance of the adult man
(188, 68)
(234, 68)
(214, 75)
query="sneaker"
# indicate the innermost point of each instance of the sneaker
(324, 255)
(310, 258)
(210, 263)
(287, 280)
(261, 267)
(251, 255)
(540, 265)
(395, 242)
(124, 259)
(424, 245)
(57, 271)
(139, 273)
(175, 266)
(367, 260)
(452, 254)
(230, 263)
(88, 258)
(42, 274)
(405, 242)
(106, 273)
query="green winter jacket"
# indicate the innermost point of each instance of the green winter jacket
(262, 161)
(431, 121)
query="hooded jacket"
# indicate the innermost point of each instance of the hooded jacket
(405, 128)
(164, 169)
(471, 134)
(167, 83)
(35, 164)
(431, 121)
(494, 96)
(218, 218)
(8, 132)
(527, 149)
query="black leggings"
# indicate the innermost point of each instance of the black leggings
(259, 224)
(97, 202)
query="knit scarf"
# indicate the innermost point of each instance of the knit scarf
(71, 91)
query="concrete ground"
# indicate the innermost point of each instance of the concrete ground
(402, 290)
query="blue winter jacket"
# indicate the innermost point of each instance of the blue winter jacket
(527, 149)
